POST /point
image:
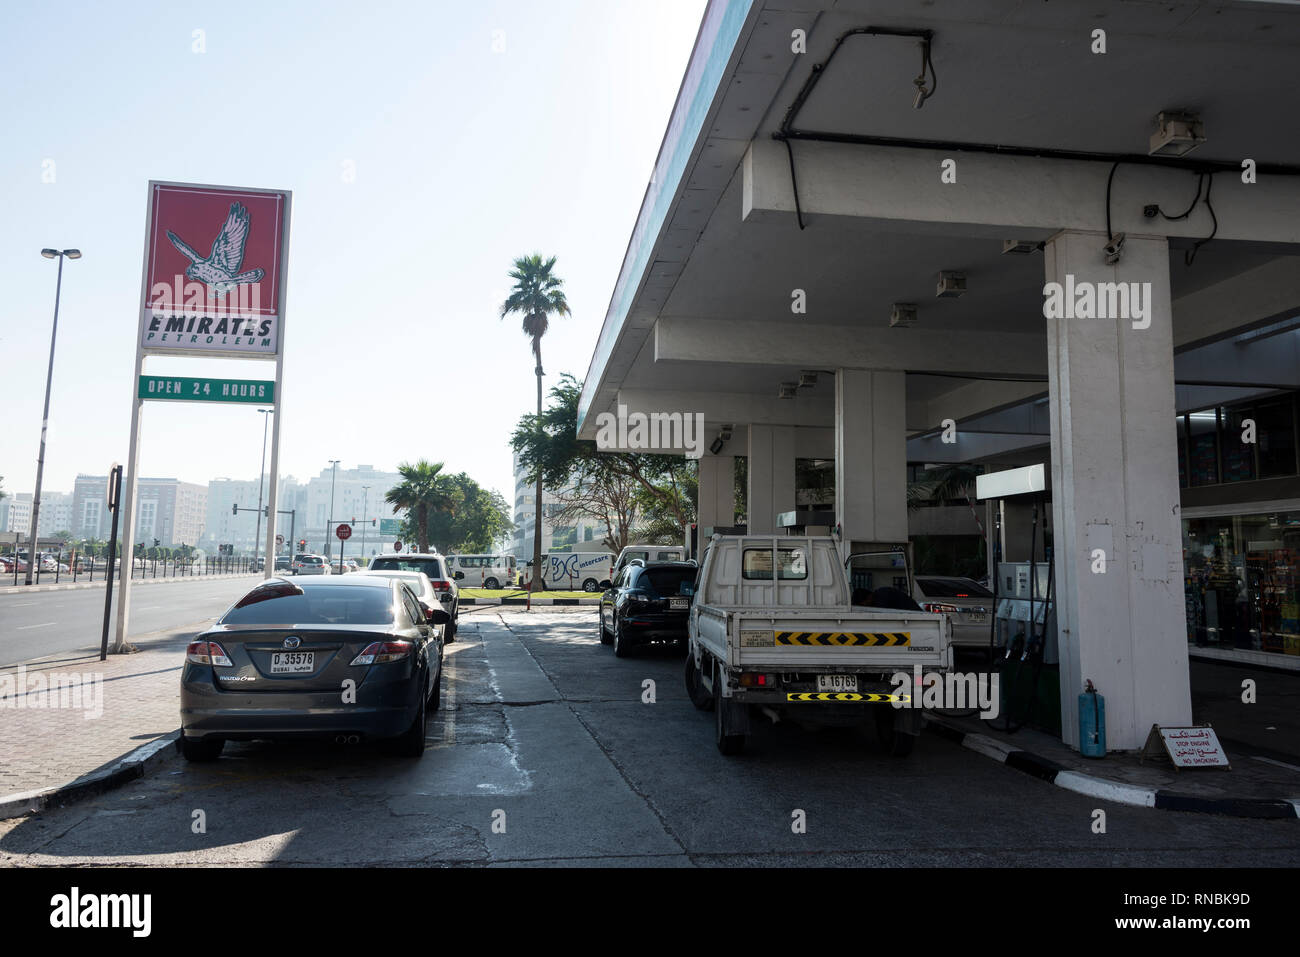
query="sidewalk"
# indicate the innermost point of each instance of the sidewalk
(117, 584)
(43, 747)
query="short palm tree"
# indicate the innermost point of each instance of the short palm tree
(423, 490)
(537, 295)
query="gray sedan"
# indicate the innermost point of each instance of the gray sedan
(351, 658)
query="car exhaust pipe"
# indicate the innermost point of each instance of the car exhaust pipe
(354, 739)
(340, 739)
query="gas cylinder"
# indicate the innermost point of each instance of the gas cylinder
(1092, 722)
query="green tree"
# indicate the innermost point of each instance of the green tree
(536, 296)
(480, 520)
(424, 491)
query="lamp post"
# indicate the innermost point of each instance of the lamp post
(365, 499)
(60, 254)
(257, 535)
(330, 523)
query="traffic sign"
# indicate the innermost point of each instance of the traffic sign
(185, 389)
(397, 546)
(344, 532)
(279, 539)
(390, 526)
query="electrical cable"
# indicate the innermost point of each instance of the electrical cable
(1190, 255)
(1110, 235)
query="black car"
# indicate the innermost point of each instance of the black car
(647, 603)
(347, 658)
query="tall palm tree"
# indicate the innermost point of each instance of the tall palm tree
(424, 489)
(537, 295)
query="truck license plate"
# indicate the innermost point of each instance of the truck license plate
(837, 683)
(679, 604)
(293, 662)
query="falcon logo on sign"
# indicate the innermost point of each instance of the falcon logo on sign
(220, 270)
(214, 270)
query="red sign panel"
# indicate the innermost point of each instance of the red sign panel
(344, 532)
(214, 270)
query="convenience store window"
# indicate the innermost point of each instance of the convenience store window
(1203, 447)
(1241, 585)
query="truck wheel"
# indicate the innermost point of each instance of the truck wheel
(728, 742)
(892, 740)
(605, 637)
(702, 700)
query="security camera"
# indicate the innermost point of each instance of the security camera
(1114, 249)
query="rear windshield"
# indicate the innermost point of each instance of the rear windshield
(283, 603)
(430, 566)
(668, 581)
(938, 588)
(310, 560)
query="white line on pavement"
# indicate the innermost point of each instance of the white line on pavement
(41, 625)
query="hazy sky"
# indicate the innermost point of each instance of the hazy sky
(478, 131)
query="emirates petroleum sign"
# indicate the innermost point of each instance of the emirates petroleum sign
(214, 269)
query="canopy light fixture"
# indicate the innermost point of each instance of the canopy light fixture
(902, 314)
(1020, 247)
(807, 380)
(789, 390)
(1178, 132)
(951, 285)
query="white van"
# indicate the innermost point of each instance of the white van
(649, 554)
(573, 571)
(484, 571)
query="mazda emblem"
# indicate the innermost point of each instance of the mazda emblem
(293, 641)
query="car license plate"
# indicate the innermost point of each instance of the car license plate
(293, 662)
(977, 618)
(679, 604)
(837, 682)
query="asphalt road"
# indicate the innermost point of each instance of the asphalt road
(547, 751)
(38, 623)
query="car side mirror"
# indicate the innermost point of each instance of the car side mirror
(458, 576)
(436, 616)
(606, 585)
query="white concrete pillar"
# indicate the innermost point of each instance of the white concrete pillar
(771, 475)
(1115, 496)
(870, 457)
(717, 502)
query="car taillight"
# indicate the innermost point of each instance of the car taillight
(382, 652)
(208, 653)
(441, 584)
(941, 608)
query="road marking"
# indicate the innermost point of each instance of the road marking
(1280, 764)
(43, 624)
(22, 604)
(448, 707)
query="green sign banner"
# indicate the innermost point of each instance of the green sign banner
(390, 526)
(181, 389)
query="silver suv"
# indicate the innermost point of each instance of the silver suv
(311, 565)
(433, 565)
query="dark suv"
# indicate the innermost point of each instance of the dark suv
(647, 603)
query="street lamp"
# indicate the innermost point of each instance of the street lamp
(257, 535)
(61, 254)
(365, 498)
(329, 524)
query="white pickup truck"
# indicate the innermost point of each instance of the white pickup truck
(773, 632)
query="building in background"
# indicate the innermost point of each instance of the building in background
(16, 512)
(583, 534)
(222, 526)
(172, 511)
(358, 493)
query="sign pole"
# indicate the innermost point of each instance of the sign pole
(114, 506)
(279, 379)
(127, 508)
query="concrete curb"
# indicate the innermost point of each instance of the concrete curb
(1105, 789)
(524, 601)
(133, 765)
(71, 586)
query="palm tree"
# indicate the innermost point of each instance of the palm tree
(537, 295)
(423, 489)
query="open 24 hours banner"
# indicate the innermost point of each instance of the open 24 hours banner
(214, 270)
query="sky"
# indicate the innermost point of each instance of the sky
(427, 145)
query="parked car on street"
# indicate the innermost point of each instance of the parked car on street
(272, 666)
(283, 563)
(433, 565)
(420, 584)
(648, 603)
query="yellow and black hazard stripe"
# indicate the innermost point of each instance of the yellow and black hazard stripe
(846, 639)
(872, 698)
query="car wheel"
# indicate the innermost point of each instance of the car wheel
(492, 584)
(449, 631)
(621, 647)
(590, 586)
(729, 743)
(435, 696)
(410, 743)
(605, 636)
(701, 699)
(892, 740)
(203, 749)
